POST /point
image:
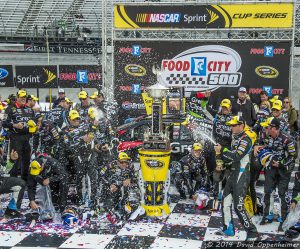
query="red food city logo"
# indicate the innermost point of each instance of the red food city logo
(129, 50)
(212, 66)
(259, 51)
(73, 76)
(129, 88)
(258, 91)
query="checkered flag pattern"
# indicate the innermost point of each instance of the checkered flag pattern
(184, 79)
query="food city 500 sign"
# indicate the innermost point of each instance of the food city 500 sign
(221, 68)
(259, 15)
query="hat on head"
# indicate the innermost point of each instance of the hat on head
(60, 90)
(83, 95)
(225, 103)
(32, 97)
(274, 122)
(35, 168)
(21, 93)
(97, 94)
(73, 114)
(242, 89)
(123, 156)
(277, 105)
(236, 120)
(68, 101)
(276, 97)
(197, 146)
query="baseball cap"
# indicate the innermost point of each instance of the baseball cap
(276, 97)
(60, 90)
(236, 120)
(242, 89)
(197, 146)
(21, 93)
(74, 114)
(97, 94)
(274, 122)
(277, 105)
(83, 95)
(68, 100)
(32, 97)
(35, 168)
(123, 156)
(225, 103)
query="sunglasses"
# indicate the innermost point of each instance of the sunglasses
(235, 125)
(82, 99)
(286, 102)
(275, 110)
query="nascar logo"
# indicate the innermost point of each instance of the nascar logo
(158, 18)
(203, 68)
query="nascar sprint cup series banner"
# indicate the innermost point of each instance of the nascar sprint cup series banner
(258, 15)
(219, 67)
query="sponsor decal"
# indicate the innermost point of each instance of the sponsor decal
(3, 73)
(267, 51)
(268, 89)
(271, 15)
(129, 88)
(63, 49)
(82, 76)
(158, 18)
(154, 163)
(205, 67)
(73, 76)
(50, 76)
(135, 70)
(127, 105)
(37, 79)
(259, 15)
(274, 91)
(130, 50)
(136, 89)
(266, 72)
(180, 148)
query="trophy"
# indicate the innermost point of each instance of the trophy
(154, 176)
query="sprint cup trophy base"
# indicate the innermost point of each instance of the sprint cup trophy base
(154, 176)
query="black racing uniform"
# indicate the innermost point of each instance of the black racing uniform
(104, 136)
(112, 174)
(46, 140)
(284, 151)
(85, 159)
(222, 132)
(237, 184)
(296, 189)
(83, 111)
(223, 135)
(57, 175)
(191, 168)
(57, 116)
(19, 138)
(12, 185)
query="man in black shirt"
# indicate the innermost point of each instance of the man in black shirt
(244, 107)
(21, 125)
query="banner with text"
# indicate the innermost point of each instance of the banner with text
(36, 76)
(87, 76)
(220, 68)
(6, 76)
(258, 15)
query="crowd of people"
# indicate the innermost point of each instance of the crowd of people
(72, 143)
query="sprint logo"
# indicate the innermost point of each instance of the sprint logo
(207, 18)
(50, 76)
